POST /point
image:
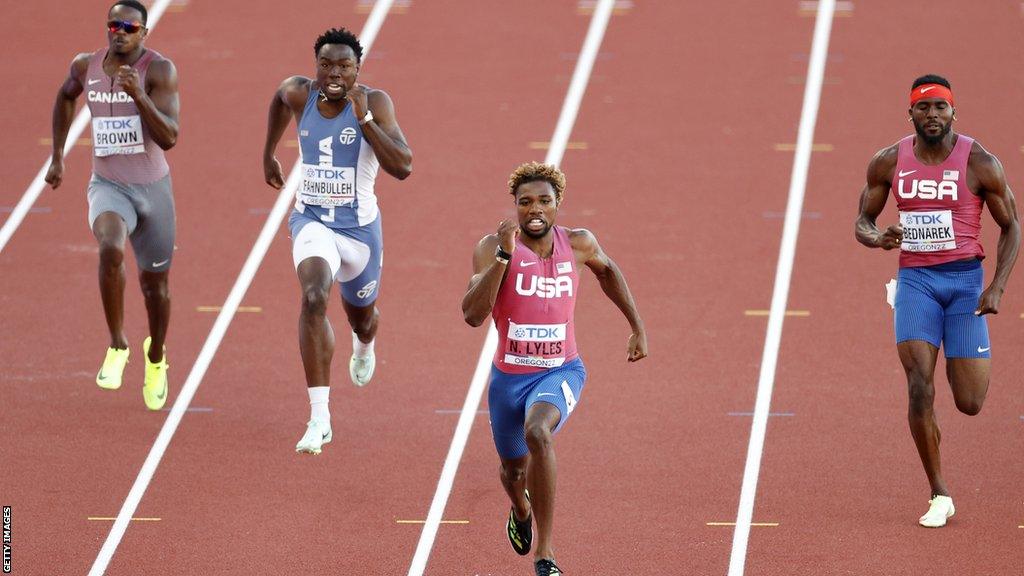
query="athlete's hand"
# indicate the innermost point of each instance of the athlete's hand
(637, 346)
(55, 173)
(272, 173)
(128, 79)
(891, 238)
(508, 231)
(357, 95)
(988, 303)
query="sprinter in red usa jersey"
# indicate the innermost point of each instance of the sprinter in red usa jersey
(525, 276)
(940, 181)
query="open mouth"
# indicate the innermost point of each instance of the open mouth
(535, 225)
(334, 89)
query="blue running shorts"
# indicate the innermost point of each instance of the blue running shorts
(937, 303)
(510, 397)
(355, 255)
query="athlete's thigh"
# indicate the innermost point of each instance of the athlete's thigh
(362, 258)
(561, 387)
(506, 406)
(917, 313)
(106, 196)
(312, 239)
(153, 238)
(965, 334)
(969, 378)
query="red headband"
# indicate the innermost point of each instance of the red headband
(931, 91)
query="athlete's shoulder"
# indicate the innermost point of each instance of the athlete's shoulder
(295, 84)
(582, 240)
(80, 63)
(883, 164)
(162, 69)
(980, 155)
(295, 90)
(984, 165)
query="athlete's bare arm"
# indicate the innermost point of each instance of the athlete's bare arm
(613, 283)
(157, 101)
(872, 201)
(488, 273)
(991, 183)
(383, 133)
(289, 100)
(63, 114)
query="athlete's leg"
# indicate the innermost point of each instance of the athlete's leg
(363, 320)
(111, 232)
(513, 479)
(968, 377)
(541, 420)
(918, 358)
(158, 307)
(316, 338)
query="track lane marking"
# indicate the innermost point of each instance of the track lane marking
(220, 326)
(559, 141)
(783, 275)
(109, 518)
(77, 127)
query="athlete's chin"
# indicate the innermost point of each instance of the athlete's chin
(933, 135)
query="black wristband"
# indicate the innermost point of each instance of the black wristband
(501, 255)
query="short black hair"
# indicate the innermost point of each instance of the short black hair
(135, 4)
(931, 79)
(339, 36)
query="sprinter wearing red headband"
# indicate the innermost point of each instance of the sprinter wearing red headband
(940, 180)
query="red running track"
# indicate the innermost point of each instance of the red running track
(680, 181)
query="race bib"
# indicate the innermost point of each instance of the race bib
(927, 231)
(327, 185)
(536, 345)
(113, 135)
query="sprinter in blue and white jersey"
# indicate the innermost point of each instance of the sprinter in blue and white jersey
(347, 131)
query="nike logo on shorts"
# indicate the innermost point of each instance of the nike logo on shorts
(160, 263)
(983, 350)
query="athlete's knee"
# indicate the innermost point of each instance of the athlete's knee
(314, 300)
(513, 472)
(155, 290)
(538, 437)
(970, 405)
(111, 254)
(362, 320)
(921, 394)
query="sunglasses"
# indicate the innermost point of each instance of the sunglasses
(129, 27)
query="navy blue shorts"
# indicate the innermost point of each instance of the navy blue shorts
(510, 397)
(937, 303)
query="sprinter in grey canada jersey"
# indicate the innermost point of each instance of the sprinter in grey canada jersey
(132, 94)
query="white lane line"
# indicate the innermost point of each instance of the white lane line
(220, 326)
(566, 119)
(783, 275)
(77, 127)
